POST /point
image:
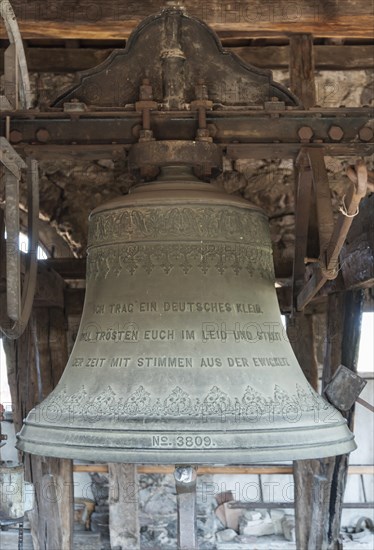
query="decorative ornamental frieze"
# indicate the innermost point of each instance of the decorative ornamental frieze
(180, 403)
(167, 224)
(114, 260)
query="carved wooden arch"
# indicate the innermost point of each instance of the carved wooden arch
(175, 52)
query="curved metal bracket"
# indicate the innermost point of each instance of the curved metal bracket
(15, 60)
(19, 304)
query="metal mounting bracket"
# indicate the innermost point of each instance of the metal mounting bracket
(17, 83)
(18, 304)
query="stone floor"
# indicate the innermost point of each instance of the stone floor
(274, 542)
(91, 541)
(82, 541)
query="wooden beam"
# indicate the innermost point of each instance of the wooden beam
(327, 58)
(273, 469)
(123, 506)
(85, 19)
(343, 338)
(302, 68)
(301, 336)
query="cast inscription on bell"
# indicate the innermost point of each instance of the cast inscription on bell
(181, 355)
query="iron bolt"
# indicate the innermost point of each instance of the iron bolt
(42, 135)
(305, 133)
(335, 133)
(365, 133)
(15, 136)
(201, 90)
(145, 91)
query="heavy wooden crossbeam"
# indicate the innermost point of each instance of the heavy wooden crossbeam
(87, 19)
(260, 469)
(327, 57)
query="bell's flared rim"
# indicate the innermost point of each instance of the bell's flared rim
(139, 444)
(296, 448)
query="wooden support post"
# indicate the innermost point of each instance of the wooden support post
(300, 332)
(35, 363)
(320, 484)
(318, 535)
(52, 516)
(344, 325)
(301, 336)
(302, 68)
(123, 507)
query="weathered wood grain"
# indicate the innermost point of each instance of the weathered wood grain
(123, 506)
(302, 69)
(332, 58)
(343, 338)
(35, 363)
(301, 336)
(115, 20)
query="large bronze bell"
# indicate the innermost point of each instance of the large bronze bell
(181, 356)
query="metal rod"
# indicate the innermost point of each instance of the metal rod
(365, 404)
(185, 482)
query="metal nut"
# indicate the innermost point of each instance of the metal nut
(146, 135)
(202, 134)
(305, 133)
(15, 136)
(366, 133)
(335, 133)
(201, 103)
(146, 104)
(42, 135)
